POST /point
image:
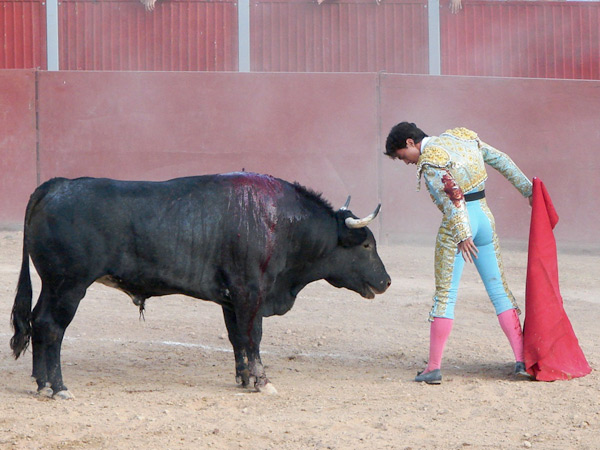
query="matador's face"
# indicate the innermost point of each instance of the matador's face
(409, 154)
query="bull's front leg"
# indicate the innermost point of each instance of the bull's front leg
(255, 365)
(248, 328)
(242, 374)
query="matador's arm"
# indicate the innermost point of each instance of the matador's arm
(506, 166)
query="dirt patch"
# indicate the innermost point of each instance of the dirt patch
(343, 367)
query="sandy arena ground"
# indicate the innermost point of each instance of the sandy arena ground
(343, 367)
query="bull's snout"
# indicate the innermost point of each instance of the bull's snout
(385, 284)
(382, 286)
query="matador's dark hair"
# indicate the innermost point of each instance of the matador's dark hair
(398, 136)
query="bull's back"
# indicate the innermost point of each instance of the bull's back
(173, 234)
(105, 222)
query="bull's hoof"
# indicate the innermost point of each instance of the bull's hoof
(45, 392)
(243, 378)
(268, 389)
(63, 395)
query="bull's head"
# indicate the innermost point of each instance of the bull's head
(357, 265)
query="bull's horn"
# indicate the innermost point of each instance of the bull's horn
(360, 223)
(345, 207)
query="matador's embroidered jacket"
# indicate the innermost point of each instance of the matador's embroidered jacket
(453, 164)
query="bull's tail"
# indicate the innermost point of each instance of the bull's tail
(21, 311)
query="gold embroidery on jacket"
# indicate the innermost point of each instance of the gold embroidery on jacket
(433, 156)
(462, 133)
(458, 150)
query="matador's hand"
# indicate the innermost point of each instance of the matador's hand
(468, 249)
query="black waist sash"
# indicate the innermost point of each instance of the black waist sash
(474, 196)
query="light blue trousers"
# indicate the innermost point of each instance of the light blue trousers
(449, 264)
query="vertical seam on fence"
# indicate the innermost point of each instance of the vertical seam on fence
(378, 149)
(37, 127)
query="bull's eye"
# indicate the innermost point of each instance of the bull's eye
(366, 245)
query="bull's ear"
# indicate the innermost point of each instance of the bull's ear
(349, 237)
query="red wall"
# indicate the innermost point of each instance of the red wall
(22, 34)
(122, 35)
(18, 165)
(339, 36)
(534, 39)
(156, 125)
(326, 131)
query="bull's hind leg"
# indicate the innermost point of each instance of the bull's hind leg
(39, 373)
(51, 316)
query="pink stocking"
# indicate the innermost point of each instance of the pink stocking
(509, 321)
(438, 336)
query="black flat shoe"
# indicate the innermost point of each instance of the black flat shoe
(433, 377)
(520, 371)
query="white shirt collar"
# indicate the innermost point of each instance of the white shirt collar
(424, 142)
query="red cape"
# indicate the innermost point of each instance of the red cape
(552, 351)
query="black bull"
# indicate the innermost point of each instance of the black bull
(246, 241)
